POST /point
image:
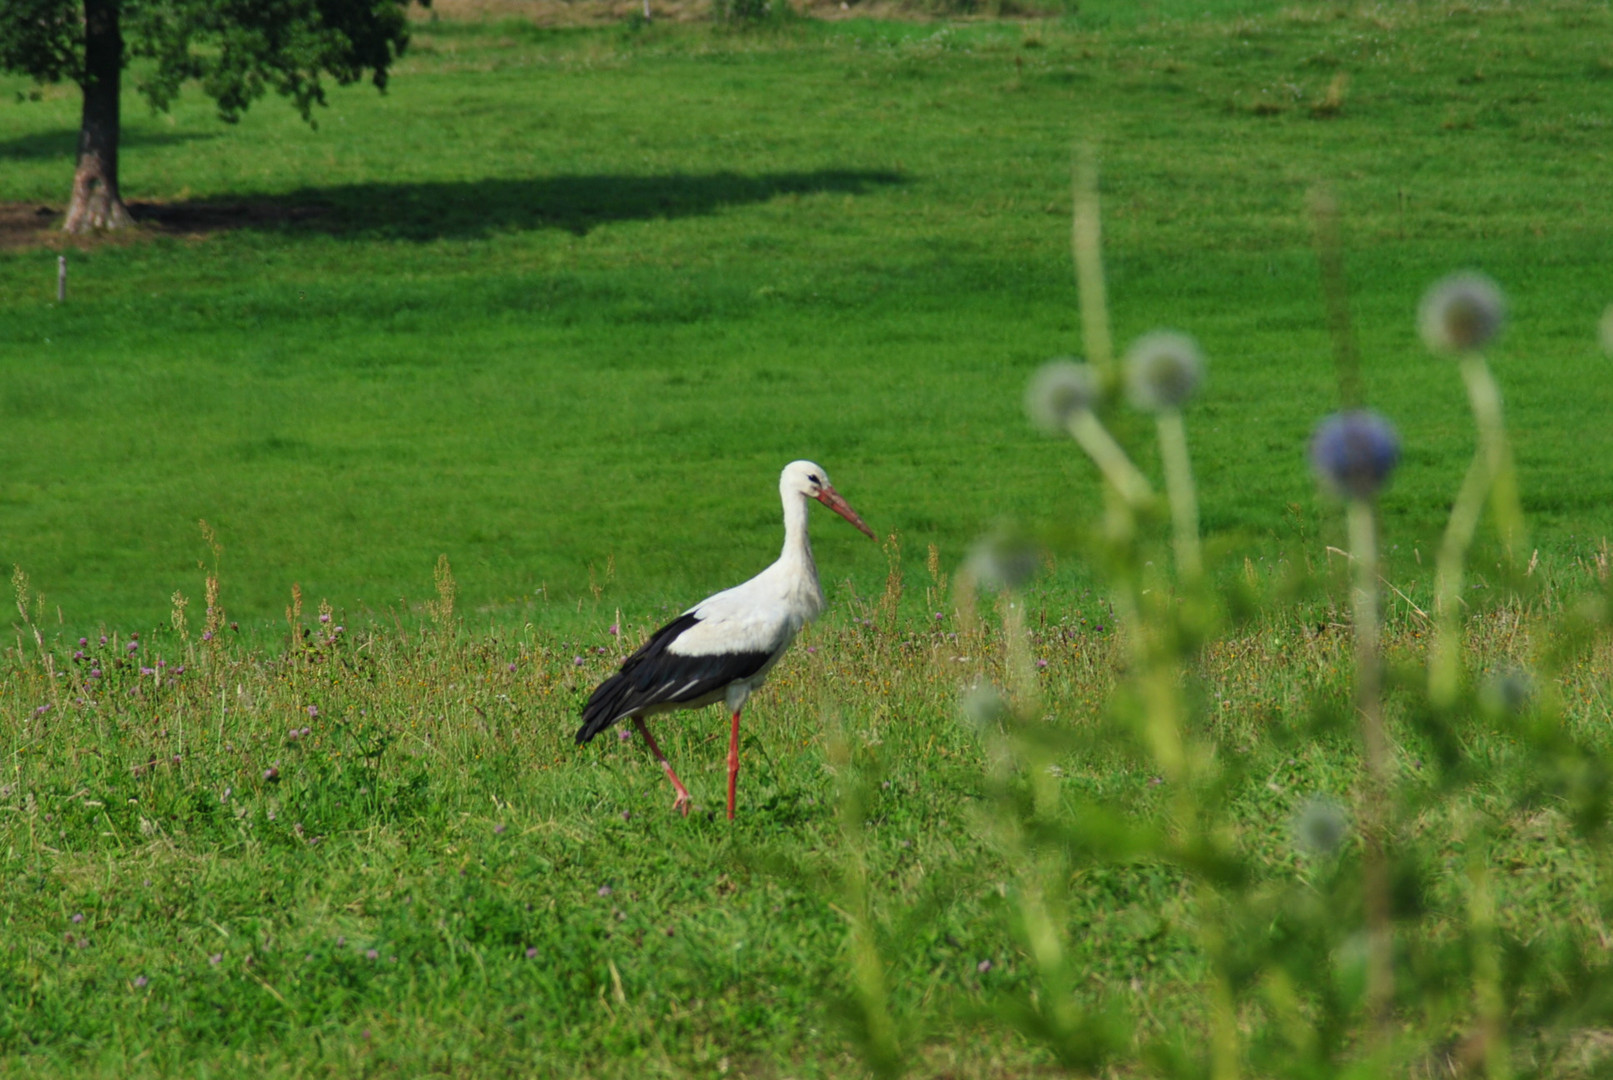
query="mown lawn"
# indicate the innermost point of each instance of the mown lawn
(567, 301)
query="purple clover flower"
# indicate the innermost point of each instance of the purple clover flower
(313, 710)
(140, 981)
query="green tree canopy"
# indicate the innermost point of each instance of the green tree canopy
(236, 50)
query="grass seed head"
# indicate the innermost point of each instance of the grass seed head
(1164, 370)
(1058, 392)
(1461, 313)
(1354, 453)
(1607, 330)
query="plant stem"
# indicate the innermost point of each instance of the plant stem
(1485, 398)
(1444, 662)
(1374, 791)
(1179, 487)
(1111, 460)
(1086, 240)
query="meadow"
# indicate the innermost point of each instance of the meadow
(477, 381)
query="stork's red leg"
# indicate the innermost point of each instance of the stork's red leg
(733, 764)
(681, 803)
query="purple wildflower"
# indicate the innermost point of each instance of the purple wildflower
(1354, 452)
(983, 967)
(133, 645)
(371, 954)
(622, 734)
(576, 661)
(139, 981)
(313, 710)
(215, 958)
(604, 890)
(324, 616)
(531, 951)
(499, 828)
(78, 916)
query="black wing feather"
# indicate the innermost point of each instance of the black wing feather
(655, 676)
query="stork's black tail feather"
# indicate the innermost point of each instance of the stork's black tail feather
(606, 705)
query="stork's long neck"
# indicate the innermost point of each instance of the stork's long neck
(797, 546)
(795, 561)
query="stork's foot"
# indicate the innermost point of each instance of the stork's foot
(681, 803)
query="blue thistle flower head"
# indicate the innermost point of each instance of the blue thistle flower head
(1354, 452)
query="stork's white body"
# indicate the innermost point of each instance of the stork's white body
(724, 647)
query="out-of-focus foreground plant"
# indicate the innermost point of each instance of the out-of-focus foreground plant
(1376, 942)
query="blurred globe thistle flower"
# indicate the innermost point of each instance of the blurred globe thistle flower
(983, 706)
(1320, 826)
(1163, 370)
(1461, 313)
(1060, 391)
(1507, 692)
(1004, 560)
(1354, 452)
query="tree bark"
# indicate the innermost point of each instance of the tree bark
(96, 203)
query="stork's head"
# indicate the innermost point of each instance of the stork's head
(808, 479)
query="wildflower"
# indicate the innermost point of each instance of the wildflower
(622, 734)
(812, 649)
(313, 710)
(371, 954)
(324, 616)
(531, 952)
(1163, 370)
(271, 774)
(215, 958)
(1320, 826)
(512, 667)
(78, 654)
(983, 967)
(292, 734)
(78, 917)
(207, 635)
(604, 890)
(84, 641)
(148, 671)
(1040, 663)
(615, 630)
(340, 940)
(1058, 392)
(95, 673)
(139, 981)
(1354, 452)
(1461, 313)
(305, 732)
(576, 661)
(43, 709)
(133, 645)
(627, 815)
(499, 828)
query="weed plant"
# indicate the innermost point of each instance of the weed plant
(1389, 933)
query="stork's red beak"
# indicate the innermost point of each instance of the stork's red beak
(829, 497)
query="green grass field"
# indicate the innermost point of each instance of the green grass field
(573, 298)
(559, 306)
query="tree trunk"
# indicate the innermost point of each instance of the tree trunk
(96, 203)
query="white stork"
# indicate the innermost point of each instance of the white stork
(722, 648)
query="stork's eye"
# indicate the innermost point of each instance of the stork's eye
(814, 478)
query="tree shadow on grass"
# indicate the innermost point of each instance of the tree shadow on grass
(63, 145)
(475, 209)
